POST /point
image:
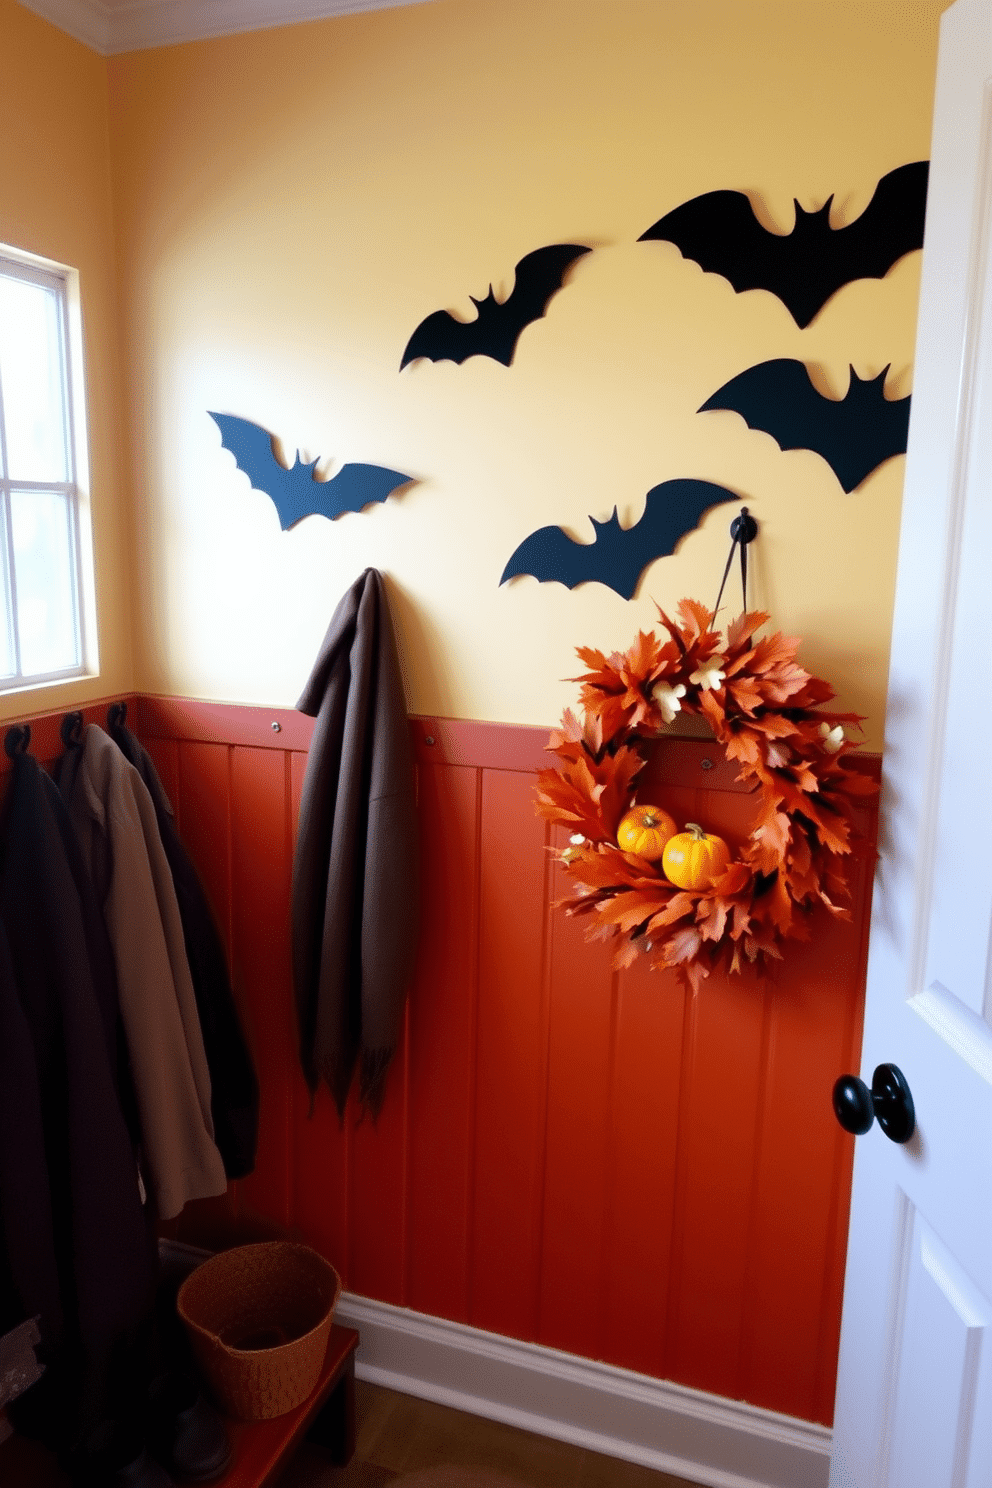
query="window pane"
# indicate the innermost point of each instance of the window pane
(44, 572)
(8, 660)
(31, 376)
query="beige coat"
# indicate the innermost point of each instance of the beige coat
(114, 818)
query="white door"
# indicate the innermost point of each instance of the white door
(914, 1394)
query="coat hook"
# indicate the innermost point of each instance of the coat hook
(117, 715)
(17, 739)
(72, 729)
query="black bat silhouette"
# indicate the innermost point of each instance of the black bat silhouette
(854, 434)
(497, 326)
(617, 557)
(805, 267)
(297, 493)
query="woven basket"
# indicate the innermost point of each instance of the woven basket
(259, 1318)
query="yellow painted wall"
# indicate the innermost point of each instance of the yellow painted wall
(55, 201)
(289, 205)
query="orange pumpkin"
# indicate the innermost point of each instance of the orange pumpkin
(645, 830)
(693, 859)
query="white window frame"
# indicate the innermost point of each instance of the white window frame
(64, 281)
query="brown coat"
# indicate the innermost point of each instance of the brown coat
(115, 823)
(355, 873)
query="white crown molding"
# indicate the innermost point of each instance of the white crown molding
(722, 1443)
(87, 20)
(135, 25)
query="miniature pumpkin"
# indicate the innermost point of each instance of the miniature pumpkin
(645, 830)
(693, 859)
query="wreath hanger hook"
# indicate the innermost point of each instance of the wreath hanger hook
(743, 530)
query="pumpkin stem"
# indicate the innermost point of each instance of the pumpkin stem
(696, 830)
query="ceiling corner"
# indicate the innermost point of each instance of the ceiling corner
(114, 26)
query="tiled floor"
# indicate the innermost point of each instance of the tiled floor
(398, 1434)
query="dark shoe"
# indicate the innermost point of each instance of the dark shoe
(185, 1432)
(116, 1457)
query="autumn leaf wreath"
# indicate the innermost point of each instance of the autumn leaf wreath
(766, 711)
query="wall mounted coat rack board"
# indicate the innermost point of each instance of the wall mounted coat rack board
(721, 233)
(43, 735)
(297, 492)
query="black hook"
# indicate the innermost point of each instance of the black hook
(744, 529)
(17, 739)
(72, 729)
(117, 715)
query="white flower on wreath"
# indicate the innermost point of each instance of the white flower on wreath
(709, 676)
(571, 852)
(832, 738)
(667, 698)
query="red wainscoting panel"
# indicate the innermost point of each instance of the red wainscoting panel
(442, 1030)
(599, 1162)
(510, 1059)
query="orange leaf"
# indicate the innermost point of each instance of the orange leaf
(682, 945)
(743, 747)
(772, 839)
(711, 917)
(627, 952)
(678, 907)
(628, 911)
(695, 616)
(740, 631)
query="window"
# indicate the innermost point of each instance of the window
(43, 634)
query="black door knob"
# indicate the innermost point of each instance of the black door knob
(889, 1101)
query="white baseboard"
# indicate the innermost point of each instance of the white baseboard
(705, 1438)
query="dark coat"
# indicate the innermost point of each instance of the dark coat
(355, 873)
(27, 1252)
(114, 820)
(59, 1002)
(233, 1082)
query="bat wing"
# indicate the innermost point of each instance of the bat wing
(854, 435)
(539, 276)
(673, 509)
(252, 449)
(354, 487)
(890, 226)
(617, 557)
(295, 492)
(497, 327)
(720, 232)
(805, 267)
(550, 555)
(442, 338)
